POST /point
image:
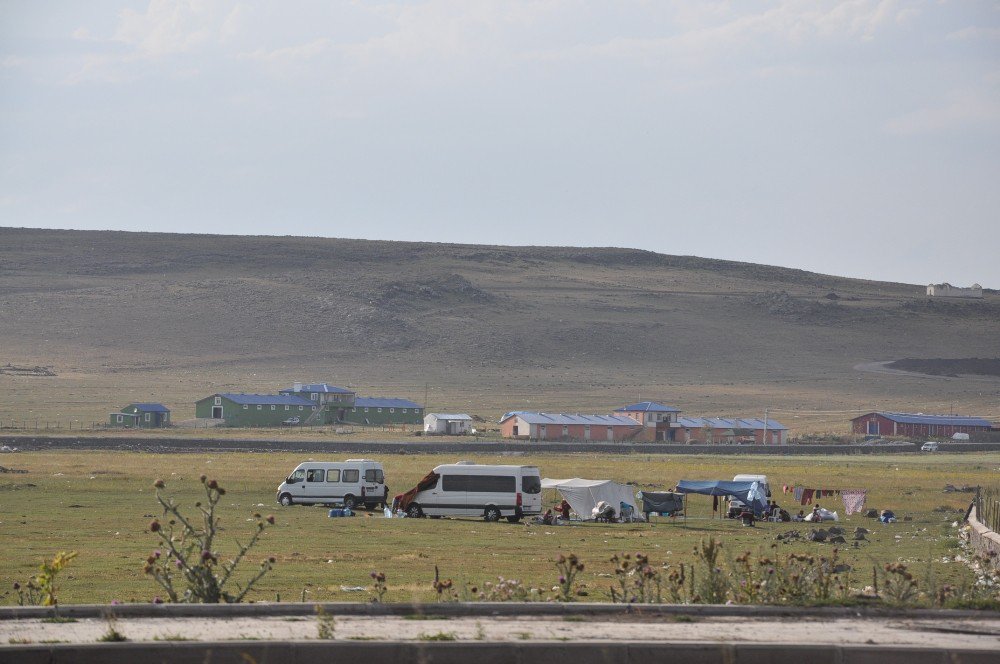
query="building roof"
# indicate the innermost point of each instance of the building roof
(647, 407)
(563, 418)
(450, 416)
(266, 399)
(920, 418)
(728, 423)
(317, 387)
(384, 402)
(150, 407)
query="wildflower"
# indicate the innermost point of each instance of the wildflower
(159, 484)
(270, 519)
(17, 586)
(213, 484)
(202, 478)
(154, 526)
(272, 560)
(157, 600)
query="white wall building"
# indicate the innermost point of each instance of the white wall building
(947, 290)
(451, 424)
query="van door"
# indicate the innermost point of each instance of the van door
(374, 482)
(334, 489)
(447, 498)
(531, 494)
(350, 483)
(314, 488)
(492, 490)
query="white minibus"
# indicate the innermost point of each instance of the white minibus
(350, 483)
(468, 489)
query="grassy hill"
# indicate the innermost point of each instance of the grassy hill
(143, 316)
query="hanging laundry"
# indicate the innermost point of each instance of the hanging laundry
(807, 496)
(797, 494)
(854, 500)
(784, 489)
(715, 503)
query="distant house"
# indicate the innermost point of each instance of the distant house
(141, 416)
(916, 425)
(947, 290)
(384, 410)
(552, 426)
(655, 418)
(334, 402)
(255, 410)
(447, 423)
(729, 430)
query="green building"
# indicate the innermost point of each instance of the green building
(141, 416)
(339, 405)
(258, 410)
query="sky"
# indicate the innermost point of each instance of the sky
(857, 138)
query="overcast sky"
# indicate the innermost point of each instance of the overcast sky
(859, 138)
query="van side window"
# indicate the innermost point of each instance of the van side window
(531, 484)
(333, 475)
(454, 482)
(373, 475)
(492, 484)
(314, 475)
(299, 475)
(351, 475)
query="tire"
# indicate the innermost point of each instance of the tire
(350, 502)
(513, 519)
(285, 500)
(414, 511)
(492, 514)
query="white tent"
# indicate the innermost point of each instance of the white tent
(583, 495)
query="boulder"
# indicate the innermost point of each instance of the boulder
(817, 536)
(835, 530)
(872, 514)
(838, 539)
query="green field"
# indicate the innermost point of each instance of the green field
(100, 504)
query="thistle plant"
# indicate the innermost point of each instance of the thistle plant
(898, 585)
(41, 588)
(378, 586)
(187, 565)
(638, 581)
(569, 568)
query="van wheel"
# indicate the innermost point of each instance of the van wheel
(492, 514)
(350, 502)
(513, 519)
(414, 512)
(285, 500)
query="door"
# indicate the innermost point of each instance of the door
(216, 412)
(872, 427)
(611, 433)
(447, 497)
(314, 489)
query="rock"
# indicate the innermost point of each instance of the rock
(872, 514)
(838, 539)
(841, 568)
(907, 518)
(817, 536)
(861, 531)
(860, 536)
(835, 530)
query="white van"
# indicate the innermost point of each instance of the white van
(350, 483)
(737, 506)
(468, 489)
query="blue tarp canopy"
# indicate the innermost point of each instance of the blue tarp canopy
(749, 493)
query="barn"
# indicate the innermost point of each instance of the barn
(551, 426)
(729, 430)
(256, 410)
(916, 425)
(448, 423)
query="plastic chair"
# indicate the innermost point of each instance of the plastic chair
(627, 512)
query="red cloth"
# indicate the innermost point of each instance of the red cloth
(807, 496)
(429, 480)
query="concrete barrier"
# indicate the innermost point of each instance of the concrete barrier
(983, 540)
(314, 652)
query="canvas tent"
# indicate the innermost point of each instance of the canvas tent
(750, 493)
(583, 495)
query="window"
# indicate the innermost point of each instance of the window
(544, 431)
(120, 419)
(351, 475)
(392, 410)
(273, 407)
(374, 475)
(491, 483)
(218, 401)
(313, 396)
(315, 475)
(380, 410)
(298, 476)
(147, 417)
(260, 407)
(565, 430)
(314, 407)
(354, 410)
(286, 406)
(333, 475)
(454, 482)
(300, 407)
(531, 484)
(246, 407)
(404, 410)
(366, 410)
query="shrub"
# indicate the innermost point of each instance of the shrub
(190, 570)
(41, 588)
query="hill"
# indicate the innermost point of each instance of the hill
(125, 317)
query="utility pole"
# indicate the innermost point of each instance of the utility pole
(765, 427)
(425, 397)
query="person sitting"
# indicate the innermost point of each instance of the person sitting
(816, 515)
(564, 509)
(547, 518)
(784, 516)
(801, 516)
(887, 516)
(747, 518)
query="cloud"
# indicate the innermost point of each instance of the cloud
(168, 27)
(963, 109)
(974, 32)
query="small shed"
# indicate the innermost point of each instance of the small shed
(141, 416)
(451, 424)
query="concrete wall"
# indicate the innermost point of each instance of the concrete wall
(983, 540)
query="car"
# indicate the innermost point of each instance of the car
(290, 422)
(929, 446)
